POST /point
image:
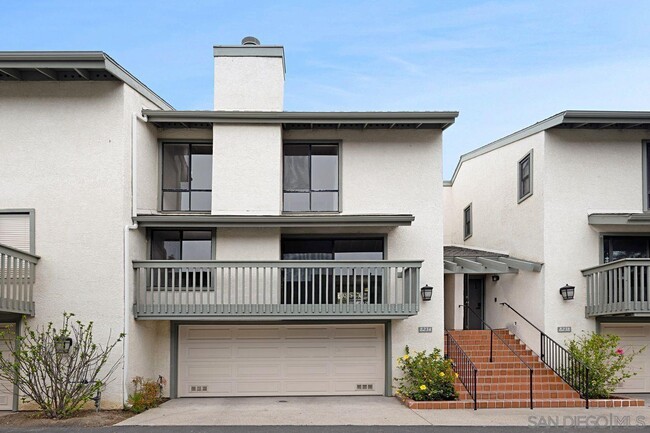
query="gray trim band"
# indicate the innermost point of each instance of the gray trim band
(334, 220)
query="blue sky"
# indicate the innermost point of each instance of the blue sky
(502, 64)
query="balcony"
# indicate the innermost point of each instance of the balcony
(17, 275)
(618, 288)
(322, 289)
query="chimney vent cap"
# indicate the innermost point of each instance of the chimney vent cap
(250, 40)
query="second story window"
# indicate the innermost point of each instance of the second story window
(525, 177)
(311, 178)
(187, 177)
(467, 222)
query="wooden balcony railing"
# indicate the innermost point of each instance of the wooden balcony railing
(618, 288)
(322, 288)
(17, 275)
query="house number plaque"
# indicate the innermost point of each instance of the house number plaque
(563, 329)
(425, 329)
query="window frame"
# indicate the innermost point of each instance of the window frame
(645, 174)
(520, 196)
(161, 177)
(213, 239)
(338, 144)
(468, 224)
(31, 212)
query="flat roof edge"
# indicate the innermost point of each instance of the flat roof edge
(79, 60)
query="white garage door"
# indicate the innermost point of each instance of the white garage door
(271, 360)
(633, 338)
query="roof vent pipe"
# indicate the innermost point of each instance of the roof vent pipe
(250, 40)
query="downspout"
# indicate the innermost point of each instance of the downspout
(128, 270)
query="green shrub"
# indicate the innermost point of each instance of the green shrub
(147, 394)
(59, 369)
(426, 377)
(608, 363)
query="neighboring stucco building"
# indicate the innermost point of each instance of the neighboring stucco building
(244, 250)
(568, 196)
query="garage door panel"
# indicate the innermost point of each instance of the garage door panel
(208, 353)
(305, 351)
(258, 370)
(633, 338)
(256, 352)
(258, 334)
(194, 333)
(302, 387)
(351, 387)
(281, 360)
(363, 332)
(306, 371)
(208, 371)
(366, 351)
(307, 333)
(259, 387)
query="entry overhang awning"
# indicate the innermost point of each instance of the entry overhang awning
(636, 220)
(460, 260)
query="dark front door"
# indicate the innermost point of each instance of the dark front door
(474, 292)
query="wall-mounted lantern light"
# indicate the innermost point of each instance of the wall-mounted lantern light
(495, 278)
(426, 292)
(63, 345)
(567, 292)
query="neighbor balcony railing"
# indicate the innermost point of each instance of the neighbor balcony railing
(17, 275)
(320, 288)
(618, 288)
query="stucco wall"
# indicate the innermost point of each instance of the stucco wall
(147, 342)
(248, 83)
(398, 172)
(586, 171)
(63, 149)
(489, 182)
(247, 170)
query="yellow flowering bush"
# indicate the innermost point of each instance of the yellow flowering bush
(426, 377)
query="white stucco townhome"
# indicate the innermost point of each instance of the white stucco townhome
(245, 250)
(569, 195)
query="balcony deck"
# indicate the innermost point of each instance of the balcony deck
(17, 275)
(287, 289)
(618, 288)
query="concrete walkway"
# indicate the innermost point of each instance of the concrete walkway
(365, 411)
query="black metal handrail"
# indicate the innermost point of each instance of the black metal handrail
(492, 334)
(462, 365)
(561, 361)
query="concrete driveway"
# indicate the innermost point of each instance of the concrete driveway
(361, 410)
(364, 411)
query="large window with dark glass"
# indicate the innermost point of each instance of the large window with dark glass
(646, 180)
(187, 177)
(180, 245)
(332, 285)
(625, 247)
(311, 177)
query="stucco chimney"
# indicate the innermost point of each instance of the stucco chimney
(249, 77)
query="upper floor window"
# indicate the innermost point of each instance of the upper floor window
(311, 178)
(17, 229)
(187, 177)
(646, 174)
(467, 222)
(525, 177)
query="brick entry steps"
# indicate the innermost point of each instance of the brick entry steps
(505, 382)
